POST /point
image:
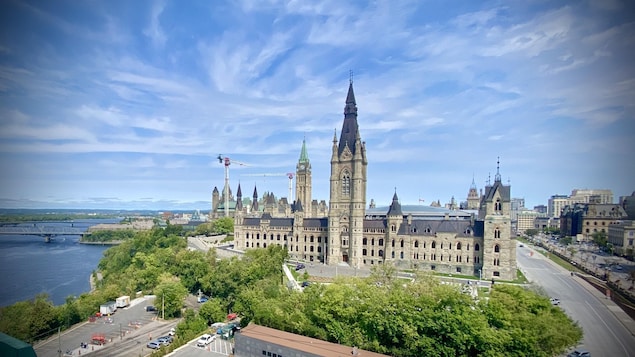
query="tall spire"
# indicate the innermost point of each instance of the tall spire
(497, 178)
(349, 128)
(304, 157)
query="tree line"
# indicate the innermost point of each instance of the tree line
(379, 313)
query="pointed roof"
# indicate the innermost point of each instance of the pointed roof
(395, 207)
(350, 130)
(304, 157)
(298, 206)
(239, 199)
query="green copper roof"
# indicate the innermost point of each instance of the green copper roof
(304, 157)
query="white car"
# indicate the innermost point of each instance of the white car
(554, 301)
(205, 340)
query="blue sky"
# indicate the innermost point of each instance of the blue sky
(127, 104)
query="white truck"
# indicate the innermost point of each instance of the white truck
(123, 301)
(108, 308)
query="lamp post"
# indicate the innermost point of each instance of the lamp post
(480, 274)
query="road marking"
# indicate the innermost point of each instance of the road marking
(609, 329)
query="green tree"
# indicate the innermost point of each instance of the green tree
(600, 239)
(223, 225)
(213, 310)
(170, 293)
(531, 232)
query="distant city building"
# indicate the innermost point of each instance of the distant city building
(428, 238)
(581, 220)
(622, 234)
(526, 219)
(555, 204)
(558, 202)
(542, 209)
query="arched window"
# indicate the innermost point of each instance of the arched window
(441, 245)
(476, 247)
(416, 244)
(497, 233)
(372, 241)
(364, 241)
(434, 244)
(372, 252)
(381, 242)
(458, 246)
(393, 228)
(401, 243)
(278, 237)
(364, 251)
(427, 230)
(346, 184)
(381, 253)
(496, 248)
(257, 235)
(392, 255)
(392, 243)
(401, 255)
(264, 245)
(498, 207)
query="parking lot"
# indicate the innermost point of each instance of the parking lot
(218, 347)
(130, 323)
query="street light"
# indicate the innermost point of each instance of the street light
(480, 274)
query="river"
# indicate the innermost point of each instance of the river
(61, 268)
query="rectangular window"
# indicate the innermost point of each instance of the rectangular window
(458, 269)
(497, 273)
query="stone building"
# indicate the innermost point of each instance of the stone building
(581, 220)
(442, 240)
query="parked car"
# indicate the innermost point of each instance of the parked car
(305, 284)
(165, 340)
(172, 332)
(150, 308)
(579, 353)
(299, 266)
(554, 301)
(205, 340)
(155, 345)
(202, 299)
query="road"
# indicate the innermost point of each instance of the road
(126, 335)
(604, 334)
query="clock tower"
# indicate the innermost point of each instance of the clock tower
(303, 180)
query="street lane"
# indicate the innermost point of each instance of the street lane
(604, 334)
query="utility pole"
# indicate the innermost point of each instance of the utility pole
(163, 305)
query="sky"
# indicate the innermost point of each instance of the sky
(127, 104)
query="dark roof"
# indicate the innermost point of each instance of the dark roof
(374, 223)
(298, 206)
(419, 227)
(497, 186)
(419, 211)
(350, 129)
(395, 207)
(316, 222)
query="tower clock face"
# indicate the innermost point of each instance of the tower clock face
(302, 167)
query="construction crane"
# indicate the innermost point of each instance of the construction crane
(289, 175)
(227, 161)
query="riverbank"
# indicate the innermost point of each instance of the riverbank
(114, 242)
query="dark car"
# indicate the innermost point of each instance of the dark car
(151, 308)
(299, 266)
(305, 284)
(579, 353)
(165, 340)
(155, 345)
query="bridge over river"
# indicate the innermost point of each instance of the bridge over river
(48, 232)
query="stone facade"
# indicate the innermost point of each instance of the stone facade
(347, 234)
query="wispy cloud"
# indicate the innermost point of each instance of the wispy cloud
(140, 97)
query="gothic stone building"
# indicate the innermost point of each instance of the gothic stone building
(346, 234)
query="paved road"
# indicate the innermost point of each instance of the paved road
(130, 327)
(604, 333)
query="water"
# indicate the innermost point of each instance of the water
(61, 268)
